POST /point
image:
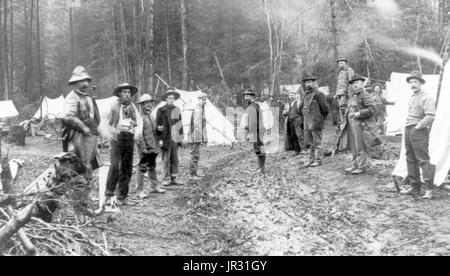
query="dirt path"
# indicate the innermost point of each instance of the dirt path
(289, 211)
(323, 211)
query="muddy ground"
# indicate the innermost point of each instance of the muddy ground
(289, 211)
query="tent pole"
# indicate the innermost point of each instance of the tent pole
(441, 76)
(165, 83)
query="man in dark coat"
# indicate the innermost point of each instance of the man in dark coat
(315, 110)
(254, 128)
(358, 120)
(170, 124)
(294, 132)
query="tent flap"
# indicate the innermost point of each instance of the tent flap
(8, 110)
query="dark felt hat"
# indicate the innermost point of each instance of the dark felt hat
(249, 92)
(134, 89)
(171, 92)
(356, 78)
(309, 77)
(416, 75)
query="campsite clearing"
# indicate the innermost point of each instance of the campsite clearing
(289, 212)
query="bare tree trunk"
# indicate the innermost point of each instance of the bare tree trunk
(5, 47)
(185, 44)
(124, 41)
(11, 41)
(39, 50)
(334, 29)
(270, 34)
(29, 70)
(148, 56)
(169, 60)
(72, 38)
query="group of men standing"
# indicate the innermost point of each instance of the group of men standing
(361, 116)
(131, 124)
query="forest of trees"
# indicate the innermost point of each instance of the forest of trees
(224, 45)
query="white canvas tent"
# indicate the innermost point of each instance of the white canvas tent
(220, 131)
(8, 110)
(440, 133)
(52, 108)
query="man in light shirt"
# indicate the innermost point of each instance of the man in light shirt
(123, 120)
(421, 115)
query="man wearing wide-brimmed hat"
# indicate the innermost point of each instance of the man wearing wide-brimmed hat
(198, 135)
(358, 119)
(421, 115)
(315, 111)
(81, 119)
(123, 122)
(170, 125)
(147, 141)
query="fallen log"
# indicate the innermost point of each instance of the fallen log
(6, 200)
(30, 248)
(16, 223)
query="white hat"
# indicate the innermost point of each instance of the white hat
(79, 74)
(146, 98)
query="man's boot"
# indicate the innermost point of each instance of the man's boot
(175, 182)
(262, 164)
(140, 186)
(155, 185)
(414, 189)
(429, 194)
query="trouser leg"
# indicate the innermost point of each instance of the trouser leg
(174, 162)
(351, 139)
(259, 151)
(166, 163)
(143, 167)
(126, 165)
(152, 175)
(195, 158)
(293, 137)
(420, 143)
(361, 161)
(411, 161)
(113, 174)
(316, 154)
